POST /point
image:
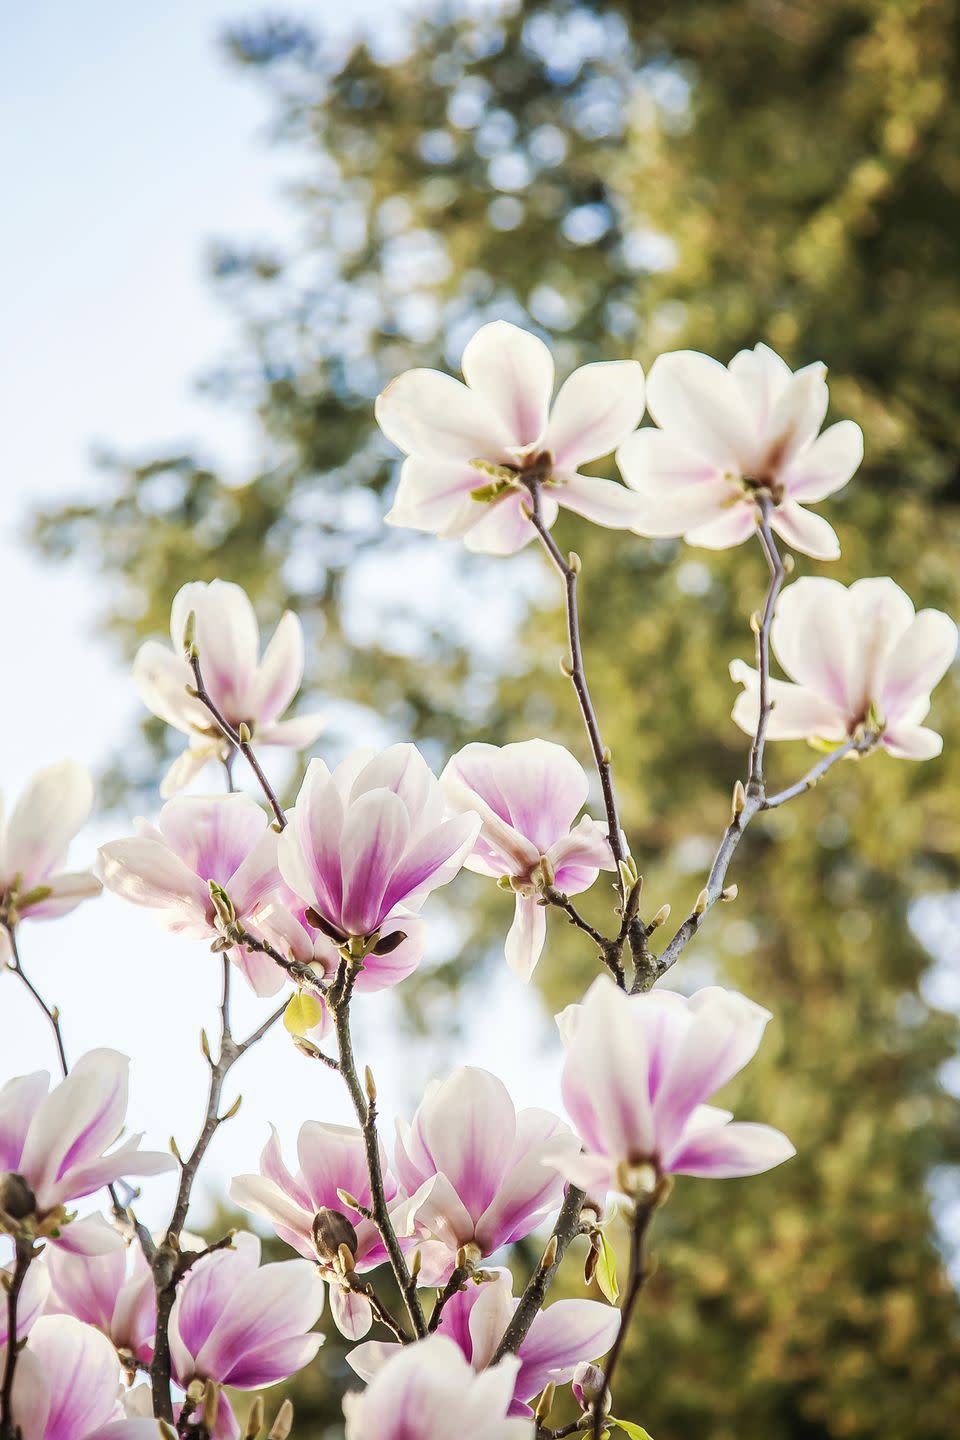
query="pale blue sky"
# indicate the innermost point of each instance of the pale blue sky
(126, 144)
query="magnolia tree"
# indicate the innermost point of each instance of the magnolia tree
(111, 1331)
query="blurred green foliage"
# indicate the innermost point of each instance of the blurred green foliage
(635, 177)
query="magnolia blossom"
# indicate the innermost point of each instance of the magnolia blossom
(54, 804)
(246, 688)
(369, 842)
(55, 1143)
(561, 1336)
(474, 1168)
(226, 839)
(428, 1389)
(472, 448)
(113, 1291)
(67, 1386)
(727, 432)
(528, 796)
(332, 1158)
(244, 1324)
(862, 661)
(637, 1070)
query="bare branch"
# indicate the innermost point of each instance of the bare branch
(239, 741)
(564, 1231)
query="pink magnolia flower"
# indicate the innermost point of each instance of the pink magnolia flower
(244, 1324)
(561, 1336)
(470, 446)
(67, 1386)
(528, 796)
(862, 662)
(370, 841)
(57, 1142)
(637, 1070)
(474, 1168)
(113, 1291)
(54, 804)
(424, 1386)
(226, 839)
(727, 431)
(244, 686)
(332, 1158)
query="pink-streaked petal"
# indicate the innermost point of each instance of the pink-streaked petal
(596, 409)
(262, 1196)
(877, 616)
(577, 858)
(794, 419)
(54, 804)
(432, 862)
(825, 466)
(376, 830)
(544, 788)
(126, 1159)
(262, 974)
(380, 972)
(265, 1309)
(606, 1053)
(485, 1314)
(20, 1099)
(561, 1336)
(427, 413)
(402, 770)
(351, 1313)
(333, 1157)
(468, 1125)
(90, 1238)
(278, 676)
(697, 399)
(213, 834)
(34, 1295)
(512, 371)
(806, 532)
(81, 1376)
(725, 1151)
(75, 1123)
(724, 1033)
(257, 876)
(471, 781)
(436, 1209)
(918, 661)
(526, 936)
(762, 377)
(146, 872)
(676, 489)
(529, 1190)
(308, 854)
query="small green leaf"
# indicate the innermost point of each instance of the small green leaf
(636, 1432)
(302, 1013)
(607, 1271)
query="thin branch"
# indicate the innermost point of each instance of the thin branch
(610, 950)
(23, 1258)
(50, 1011)
(564, 1231)
(239, 742)
(856, 745)
(380, 1310)
(636, 1277)
(169, 1264)
(569, 570)
(461, 1274)
(305, 974)
(365, 1108)
(778, 573)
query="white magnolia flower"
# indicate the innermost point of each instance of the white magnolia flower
(469, 446)
(246, 687)
(726, 432)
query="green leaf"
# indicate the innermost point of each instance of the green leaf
(302, 1013)
(607, 1271)
(636, 1432)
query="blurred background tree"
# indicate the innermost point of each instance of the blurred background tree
(631, 178)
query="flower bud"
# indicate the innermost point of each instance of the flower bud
(587, 1386)
(16, 1198)
(283, 1424)
(331, 1229)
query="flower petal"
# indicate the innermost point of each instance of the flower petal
(920, 658)
(435, 496)
(797, 714)
(602, 501)
(526, 936)
(278, 676)
(598, 406)
(425, 412)
(697, 398)
(803, 531)
(512, 371)
(54, 805)
(728, 1150)
(561, 1336)
(820, 469)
